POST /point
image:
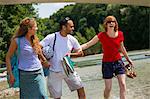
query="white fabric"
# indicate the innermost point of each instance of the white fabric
(48, 52)
(55, 83)
(63, 45)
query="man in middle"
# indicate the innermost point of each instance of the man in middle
(64, 45)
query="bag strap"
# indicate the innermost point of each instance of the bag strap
(18, 50)
(18, 46)
(54, 41)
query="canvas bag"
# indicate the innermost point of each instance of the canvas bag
(48, 52)
(14, 65)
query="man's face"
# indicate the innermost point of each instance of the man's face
(70, 27)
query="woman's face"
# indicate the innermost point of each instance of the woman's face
(33, 29)
(111, 24)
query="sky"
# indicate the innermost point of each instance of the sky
(47, 9)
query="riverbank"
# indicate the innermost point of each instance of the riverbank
(138, 88)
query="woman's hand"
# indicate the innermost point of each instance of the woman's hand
(11, 79)
(46, 64)
(130, 62)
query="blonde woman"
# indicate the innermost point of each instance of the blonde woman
(112, 64)
(32, 81)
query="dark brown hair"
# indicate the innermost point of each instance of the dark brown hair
(64, 22)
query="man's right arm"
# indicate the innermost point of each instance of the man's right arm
(46, 41)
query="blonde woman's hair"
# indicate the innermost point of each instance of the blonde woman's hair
(23, 27)
(35, 44)
(22, 30)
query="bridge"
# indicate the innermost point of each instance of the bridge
(124, 2)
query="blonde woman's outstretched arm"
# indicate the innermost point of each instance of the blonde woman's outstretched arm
(90, 43)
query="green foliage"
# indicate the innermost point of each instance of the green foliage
(90, 33)
(2, 51)
(88, 20)
(47, 26)
(80, 38)
(82, 25)
(101, 28)
(136, 27)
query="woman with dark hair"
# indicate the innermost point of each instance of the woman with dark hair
(112, 64)
(32, 81)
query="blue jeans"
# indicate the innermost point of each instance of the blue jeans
(33, 85)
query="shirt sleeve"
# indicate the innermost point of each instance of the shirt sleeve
(46, 41)
(76, 44)
(99, 35)
(121, 36)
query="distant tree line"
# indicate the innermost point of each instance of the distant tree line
(134, 21)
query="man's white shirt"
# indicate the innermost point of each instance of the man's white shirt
(63, 45)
